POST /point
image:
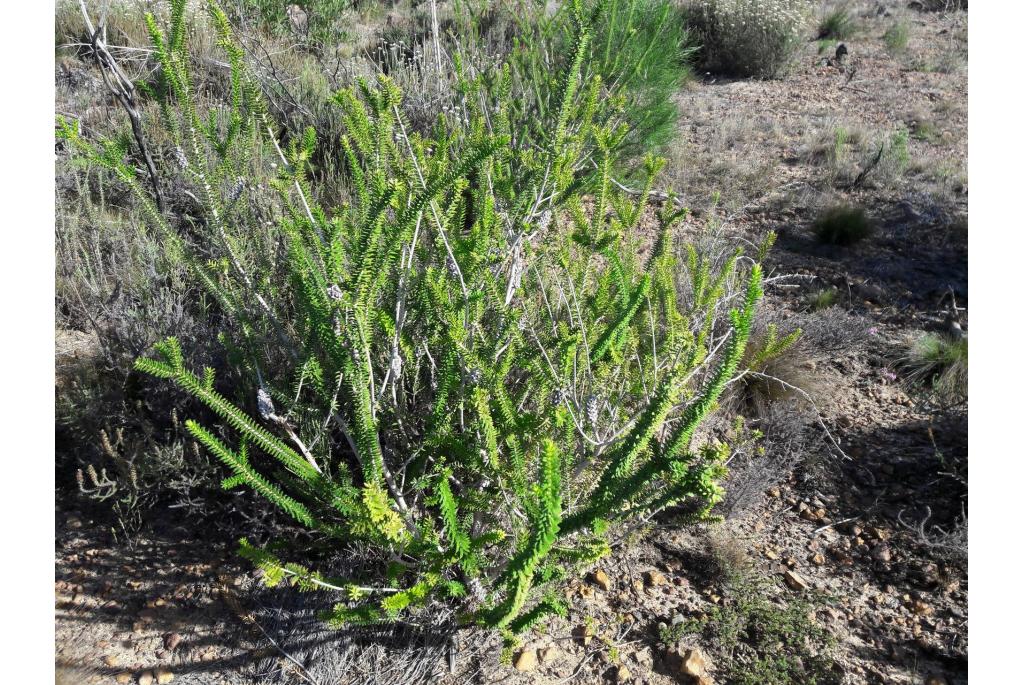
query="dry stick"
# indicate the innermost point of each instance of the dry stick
(656, 194)
(400, 311)
(833, 524)
(398, 389)
(249, 619)
(583, 465)
(302, 671)
(572, 415)
(586, 657)
(856, 90)
(236, 264)
(301, 445)
(437, 44)
(433, 209)
(330, 410)
(273, 137)
(218, 222)
(922, 534)
(868, 169)
(298, 186)
(283, 423)
(124, 91)
(331, 586)
(441, 232)
(271, 68)
(277, 148)
(117, 49)
(388, 478)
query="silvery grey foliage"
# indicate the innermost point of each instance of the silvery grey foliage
(265, 405)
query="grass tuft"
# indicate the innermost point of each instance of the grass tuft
(924, 129)
(939, 363)
(843, 225)
(837, 25)
(823, 299)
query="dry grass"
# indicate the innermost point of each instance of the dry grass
(787, 434)
(823, 299)
(834, 146)
(939, 5)
(847, 154)
(729, 168)
(728, 552)
(922, 126)
(127, 34)
(399, 654)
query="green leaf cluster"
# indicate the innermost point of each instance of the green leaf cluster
(479, 365)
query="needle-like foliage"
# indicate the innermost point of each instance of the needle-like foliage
(479, 365)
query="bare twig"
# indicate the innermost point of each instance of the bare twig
(301, 669)
(437, 43)
(868, 169)
(124, 90)
(833, 524)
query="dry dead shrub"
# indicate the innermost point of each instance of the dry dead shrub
(727, 552)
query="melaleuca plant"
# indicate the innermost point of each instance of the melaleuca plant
(478, 365)
(640, 49)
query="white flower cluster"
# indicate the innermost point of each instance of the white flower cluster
(236, 190)
(180, 158)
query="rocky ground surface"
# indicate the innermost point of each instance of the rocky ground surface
(859, 531)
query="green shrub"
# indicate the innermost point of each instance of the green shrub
(111, 270)
(843, 225)
(474, 368)
(641, 50)
(644, 50)
(897, 36)
(750, 37)
(758, 641)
